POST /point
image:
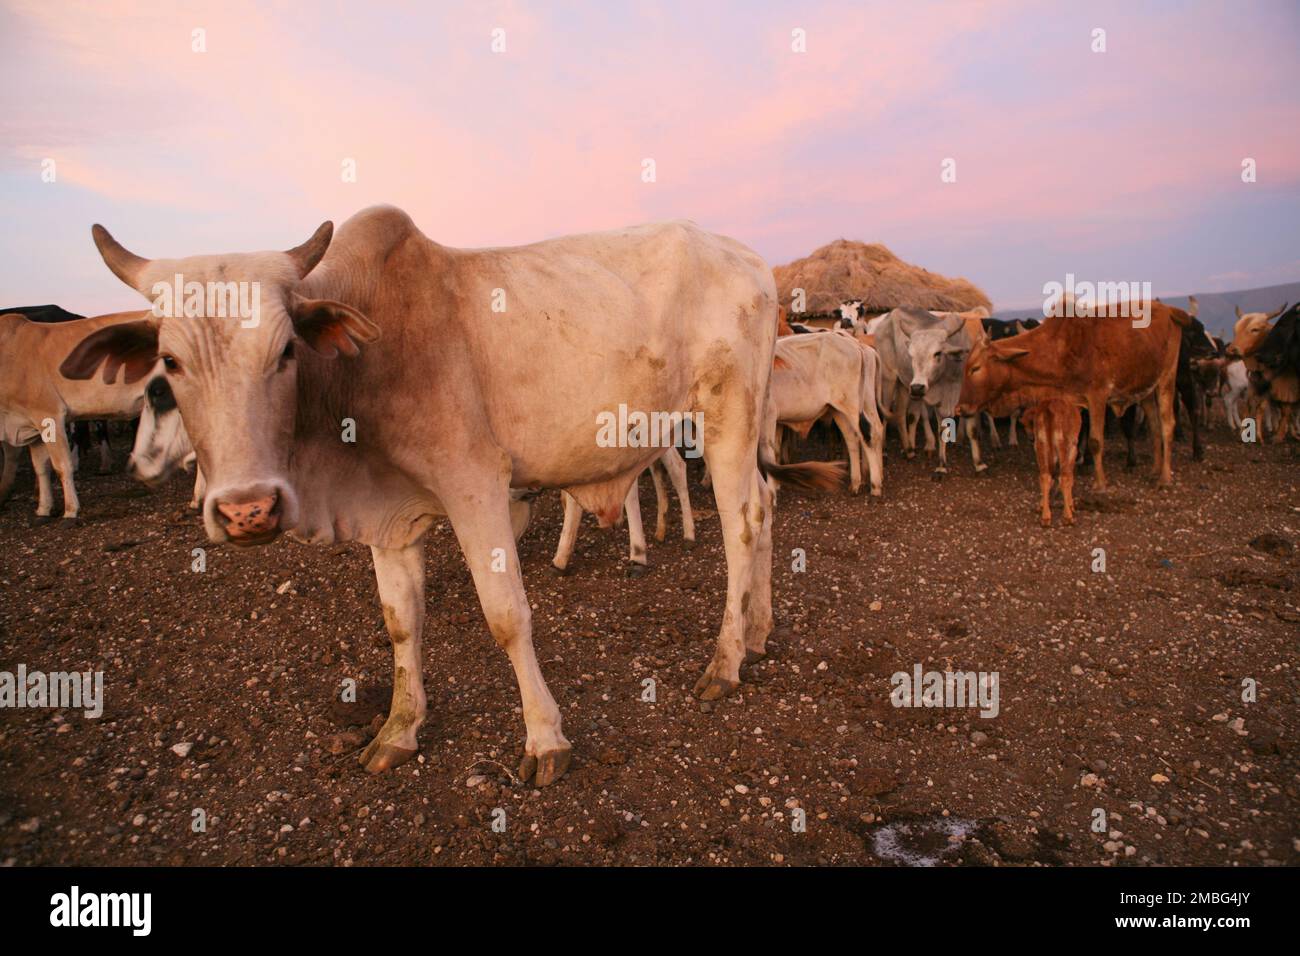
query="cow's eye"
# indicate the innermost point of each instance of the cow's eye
(171, 365)
(287, 355)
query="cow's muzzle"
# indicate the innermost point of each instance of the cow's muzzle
(917, 390)
(256, 521)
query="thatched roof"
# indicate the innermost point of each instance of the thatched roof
(844, 270)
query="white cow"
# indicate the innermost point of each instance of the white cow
(390, 339)
(831, 373)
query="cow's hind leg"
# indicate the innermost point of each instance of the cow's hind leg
(400, 576)
(10, 470)
(848, 426)
(1096, 439)
(44, 486)
(661, 501)
(1067, 449)
(61, 458)
(758, 620)
(741, 514)
(676, 468)
(480, 516)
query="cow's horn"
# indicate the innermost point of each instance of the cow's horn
(310, 252)
(1274, 315)
(126, 265)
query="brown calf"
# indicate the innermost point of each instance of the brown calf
(1054, 423)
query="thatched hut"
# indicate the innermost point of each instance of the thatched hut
(844, 270)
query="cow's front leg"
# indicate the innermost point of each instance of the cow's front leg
(480, 517)
(973, 433)
(568, 533)
(635, 531)
(400, 575)
(940, 469)
(200, 489)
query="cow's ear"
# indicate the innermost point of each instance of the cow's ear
(1009, 355)
(330, 327)
(129, 345)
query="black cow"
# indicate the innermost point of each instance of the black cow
(1196, 374)
(997, 329)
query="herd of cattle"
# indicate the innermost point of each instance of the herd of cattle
(381, 387)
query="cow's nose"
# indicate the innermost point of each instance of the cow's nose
(918, 391)
(251, 519)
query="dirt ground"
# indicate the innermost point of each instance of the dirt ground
(1119, 690)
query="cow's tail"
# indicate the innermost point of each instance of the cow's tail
(805, 475)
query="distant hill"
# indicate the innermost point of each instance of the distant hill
(1217, 309)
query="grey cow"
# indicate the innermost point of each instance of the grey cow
(923, 355)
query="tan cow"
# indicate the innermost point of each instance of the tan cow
(36, 402)
(392, 339)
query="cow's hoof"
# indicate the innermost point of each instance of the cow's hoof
(558, 571)
(547, 767)
(936, 476)
(634, 570)
(712, 687)
(379, 757)
(69, 521)
(753, 656)
(1068, 520)
(43, 519)
(1045, 522)
(981, 469)
(688, 544)
(910, 455)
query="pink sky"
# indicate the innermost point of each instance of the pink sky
(1117, 165)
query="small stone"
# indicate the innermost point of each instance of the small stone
(979, 738)
(1159, 778)
(474, 780)
(138, 820)
(182, 749)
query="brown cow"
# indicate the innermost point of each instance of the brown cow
(1054, 423)
(1099, 360)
